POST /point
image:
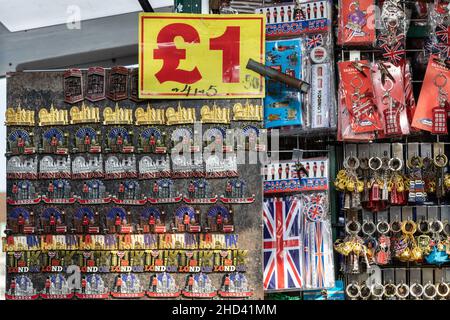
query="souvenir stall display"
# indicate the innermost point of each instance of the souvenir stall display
(121, 190)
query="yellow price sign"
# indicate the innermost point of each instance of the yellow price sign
(200, 56)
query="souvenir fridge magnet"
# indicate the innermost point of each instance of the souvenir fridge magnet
(219, 167)
(84, 114)
(57, 167)
(118, 115)
(215, 140)
(235, 286)
(199, 286)
(187, 219)
(120, 167)
(85, 221)
(21, 288)
(129, 192)
(164, 191)
(87, 167)
(180, 115)
(73, 86)
(247, 112)
(152, 140)
(21, 141)
(58, 191)
(149, 116)
(87, 139)
(18, 167)
(118, 221)
(53, 117)
(92, 287)
(154, 167)
(22, 192)
(215, 114)
(120, 140)
(95, 86)
(134, 85)
(198, 192)
(163, 285)
(21, 221)
(250, 139)
(19, 117)
(220, 219)
(152, 220)
(183, 140)
(117, 83)
(187, 165)
(127, 286)
(54, 141)
(52, 221)
(56, 287)
(355, 24)
(236, 192)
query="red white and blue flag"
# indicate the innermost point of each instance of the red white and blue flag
(282, 244)
(314, 41)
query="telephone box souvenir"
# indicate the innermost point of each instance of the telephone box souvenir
(118, 115)
(134, 85)
(432, 107)
(220, 219)
(57, 167)
(282, 105)
(84, 114)
(87, 139)
(54, 141)
(85, 221)
(20, 221)
(152, 220)
(86, 167)
(56, 287)
(198, 192)
(21, 141)
(53, 117)
(187, 219)
(163, 285)
(154, 167)
(356, 25)
(58, 191)
(129, 193)
(127, 286)
(93, 192)
(236, 192)
(21, 288)
(152, 140)
(19, 167)
(235, 286)
(120, 167)
(52, 221)
(149, 116)
(296, 18)
(117, 83)
(120, 140)
(119, 221)
(92, 287)
(73, 86)
(183, 140)
(199, 286)
(22, 192)
(19, 117)
(95, 86)
(163, 191)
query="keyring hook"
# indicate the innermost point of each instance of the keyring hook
(440, 76)
(356, 85)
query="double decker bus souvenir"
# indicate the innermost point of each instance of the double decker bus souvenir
(21, 288)
(21, 141)
(120, 167)
(93, 192)
(163, 191)
(58, 191)
(187, 219)
(117, 83)
(85, 221)
(127, 286)
(220, 219)
(134, 85)
(56, 288)
(235, 286)
(235, 192)
(87, 139)
(198, 192)
(22, 192)
(20, 221)
(57, 167)
(129, 193)
(92, 287)
(152, 220)
(152, 140)
(73, 86)
(54, 141)
(120, 140)
(163, 285)
(199, 286)
(95, 86)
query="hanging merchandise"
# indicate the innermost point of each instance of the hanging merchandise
(282, 104)
(432, 108)
(439, 29)
(356, 23)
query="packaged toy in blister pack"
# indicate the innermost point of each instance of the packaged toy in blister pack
(390, 99)
(433, 106)
(356, 23)
(283, 104)
(410, 101)
(439, 24)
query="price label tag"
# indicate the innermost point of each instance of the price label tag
(200, 56)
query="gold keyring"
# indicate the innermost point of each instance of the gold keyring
(413, 227)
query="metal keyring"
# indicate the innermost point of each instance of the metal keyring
(347, 163)
(429, 287)
(389, 290)
(353, 286)
(396, 226)
(412, 224)
(377, 290)
(446, 228)
(356, 230)
(386, 228)
(417, 165)
(442, 289)
(395, 160)
(416, 290)
(440, 76)
(440, 160)
(365, 292)
(368, 228)
(436, 226)
(364, 163)
(383, 86)
(371, 160)
(405, 289)
(423, 226)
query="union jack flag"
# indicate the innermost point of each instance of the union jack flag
(443, 32)
(314, 41)
(282, 242)
(394, 54)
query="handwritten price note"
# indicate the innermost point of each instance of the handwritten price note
(200, 56)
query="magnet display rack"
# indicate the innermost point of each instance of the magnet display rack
(397, 272)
